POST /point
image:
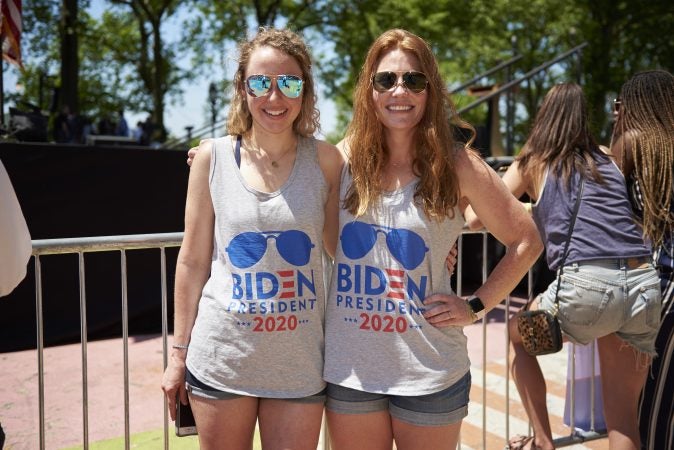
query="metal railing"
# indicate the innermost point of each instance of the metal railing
(80, 246)
(122, 244)
(203, 132)
(485, 74)
(511, 84)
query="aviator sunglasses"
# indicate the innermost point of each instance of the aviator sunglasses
(412, 81)
(289, 85)
(406, 246)
(246, 249)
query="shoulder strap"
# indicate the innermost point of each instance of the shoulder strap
(568, 235)
(237, 151)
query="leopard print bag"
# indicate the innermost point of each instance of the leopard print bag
(540, 331)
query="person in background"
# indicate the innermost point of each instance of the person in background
(15, 243)
(643, 144)
(609, 289)
(137, 132)
(62, 132)
(249, 292)
(87, 128)
(122, 128)
(105, 126)
(396, 359)
(147, 137)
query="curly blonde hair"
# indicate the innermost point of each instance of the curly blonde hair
(646, 120)
(240, 119)
(437, 191)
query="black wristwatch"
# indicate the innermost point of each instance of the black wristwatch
(476, 306)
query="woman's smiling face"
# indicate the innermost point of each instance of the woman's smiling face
(273, 112)
(399, 108)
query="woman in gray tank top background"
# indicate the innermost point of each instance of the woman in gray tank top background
(396, 359)
(249, 289)
(609, 289)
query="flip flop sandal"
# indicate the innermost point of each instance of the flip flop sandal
(522, 443)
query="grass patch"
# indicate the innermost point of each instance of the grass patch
(153, 440)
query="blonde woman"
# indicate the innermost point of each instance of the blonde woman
(249, 298)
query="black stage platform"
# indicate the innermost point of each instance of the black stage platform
(77, 191)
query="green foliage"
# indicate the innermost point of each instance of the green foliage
(626, 36)
(151, 440)
(126, 60)
(107, 79)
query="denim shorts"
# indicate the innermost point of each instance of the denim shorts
(600, 297)
(438, 409)
(201, 389)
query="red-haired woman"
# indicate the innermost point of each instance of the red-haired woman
(396, 358)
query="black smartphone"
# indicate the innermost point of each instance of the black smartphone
(185, 424)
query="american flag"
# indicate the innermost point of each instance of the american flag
(10, 34)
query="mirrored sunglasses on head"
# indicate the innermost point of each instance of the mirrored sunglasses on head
(260, 85)
(412, 81)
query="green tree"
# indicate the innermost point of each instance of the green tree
(124, 59)
(118, 61)
(626, 37)
(70, 62)
(155, 58)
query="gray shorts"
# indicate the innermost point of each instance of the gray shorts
(600, 297)
(438, 409)
(203, 390)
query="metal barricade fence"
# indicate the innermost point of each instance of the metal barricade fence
(122, 244)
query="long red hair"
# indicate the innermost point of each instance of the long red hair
(437, 191)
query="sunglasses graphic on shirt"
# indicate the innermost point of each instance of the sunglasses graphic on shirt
(246, 249)
(406, 246)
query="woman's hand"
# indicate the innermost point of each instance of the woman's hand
(191, 153)
(447, 311)
(173, 383)
(451, 259)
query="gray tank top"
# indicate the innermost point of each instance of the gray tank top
(605, 226)
(387, 262)
(259, 328)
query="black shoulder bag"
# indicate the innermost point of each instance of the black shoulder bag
(540, 329)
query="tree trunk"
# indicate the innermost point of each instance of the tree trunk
(69, 57)
(159, 81)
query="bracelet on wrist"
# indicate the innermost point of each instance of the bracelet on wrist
(180, 346)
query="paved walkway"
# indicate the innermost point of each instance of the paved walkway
(63, 393)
